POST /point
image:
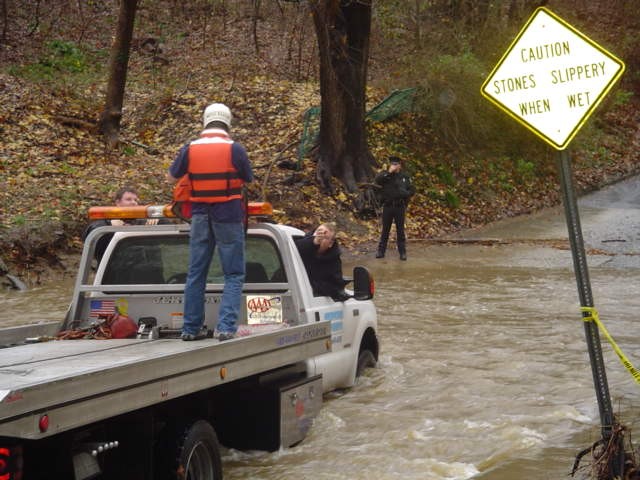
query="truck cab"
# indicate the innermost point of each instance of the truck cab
(150, 265)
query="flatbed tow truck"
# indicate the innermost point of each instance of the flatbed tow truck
(152, 406)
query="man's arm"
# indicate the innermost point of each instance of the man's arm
(179, 166)
(410, 187)
(240, 161)
(382, 178)
(306, 246)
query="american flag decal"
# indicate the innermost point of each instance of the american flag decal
(102, 307)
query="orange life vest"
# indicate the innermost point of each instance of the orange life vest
(213, 177)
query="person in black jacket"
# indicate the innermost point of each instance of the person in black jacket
(320, 254)
(396, 192)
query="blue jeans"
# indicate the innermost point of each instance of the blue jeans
(205, 236)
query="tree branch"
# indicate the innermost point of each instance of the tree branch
(276, 158)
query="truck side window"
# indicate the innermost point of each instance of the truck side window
(263, 262)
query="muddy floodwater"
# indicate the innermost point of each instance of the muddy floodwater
(484, 371)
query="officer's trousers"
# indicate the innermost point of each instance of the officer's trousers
(391, 214)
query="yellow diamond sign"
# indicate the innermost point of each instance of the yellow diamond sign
(552, 78)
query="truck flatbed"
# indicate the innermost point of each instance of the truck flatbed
(80, 381)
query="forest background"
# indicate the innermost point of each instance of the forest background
(471, 163)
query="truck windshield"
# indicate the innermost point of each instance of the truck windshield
(165, 260)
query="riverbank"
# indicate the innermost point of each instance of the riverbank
(54, 164)
(57, 255)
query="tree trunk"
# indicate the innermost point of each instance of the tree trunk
(118, 62)
(417, 30)
(5, 21)
(343, 30)
(83, 22)
(254, 25)
(36, 21)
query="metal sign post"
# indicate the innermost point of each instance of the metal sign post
(584, 292)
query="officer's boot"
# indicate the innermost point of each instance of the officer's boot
(402, 250)
(381, 249)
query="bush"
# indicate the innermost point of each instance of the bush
(61, 57)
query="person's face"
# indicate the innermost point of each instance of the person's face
(324, 237)
(129, 199)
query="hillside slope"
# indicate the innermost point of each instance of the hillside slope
(53, 164)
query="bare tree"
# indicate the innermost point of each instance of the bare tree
(5, 21)
(254, 25)
(36, 21)
(83, 22)
(343, 28)
(118, 63)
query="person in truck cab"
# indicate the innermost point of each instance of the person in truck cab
(126, 196)
(218, 167)
(320, 254)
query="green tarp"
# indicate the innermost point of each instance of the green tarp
(398, 101)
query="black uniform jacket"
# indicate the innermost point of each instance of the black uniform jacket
(395, 186)
(325, 271)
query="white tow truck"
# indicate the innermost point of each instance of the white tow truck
(154, 407)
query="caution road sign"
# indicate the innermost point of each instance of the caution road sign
(552, 78)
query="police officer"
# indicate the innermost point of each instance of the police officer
(396, 192)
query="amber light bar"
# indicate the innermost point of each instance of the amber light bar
(148, 211)
(162, 211)
(259, 209)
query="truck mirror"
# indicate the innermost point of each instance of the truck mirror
(363, 285)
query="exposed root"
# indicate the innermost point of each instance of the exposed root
(612, 458)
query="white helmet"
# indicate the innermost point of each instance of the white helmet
(217, 112)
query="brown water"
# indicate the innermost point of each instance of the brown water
(483, 371)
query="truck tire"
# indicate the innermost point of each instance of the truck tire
(199, 453)
(366, 359)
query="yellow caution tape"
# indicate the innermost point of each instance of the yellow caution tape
(593, 317)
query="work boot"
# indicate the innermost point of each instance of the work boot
(402, 250)
(224, 336)
(190, 337)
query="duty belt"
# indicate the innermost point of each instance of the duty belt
(399, 202)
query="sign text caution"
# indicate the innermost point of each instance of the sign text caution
(551, 78)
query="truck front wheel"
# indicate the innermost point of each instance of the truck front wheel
(366, 359)
(199, 453)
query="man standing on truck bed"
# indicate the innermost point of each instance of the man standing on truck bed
(218, 168)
